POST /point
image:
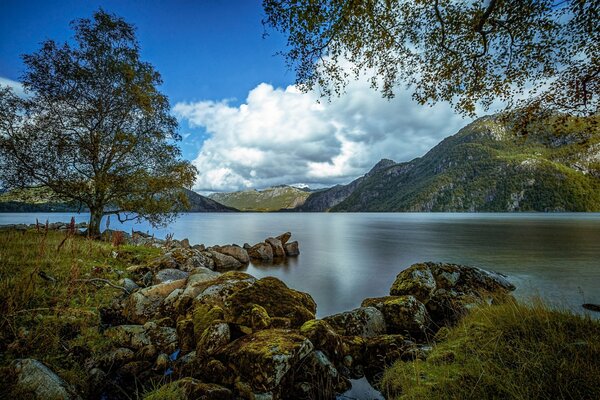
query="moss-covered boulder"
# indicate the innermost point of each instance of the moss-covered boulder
(317, 378)
(145, 304)
(255, 317)
(215, 336)
(217, 290)
(402, 314)
(363, 321)
(324, 338)
(35, 380)
(264, 358)
(382, 351)
(205, 315)
(450, 290)
(136, 337)
(276, 298)
(417, 281)
(190, 389)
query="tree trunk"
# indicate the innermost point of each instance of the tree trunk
(95, 220)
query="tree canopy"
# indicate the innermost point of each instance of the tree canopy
(467, 53)
(95, 128)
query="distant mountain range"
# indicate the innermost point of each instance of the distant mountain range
(271, 199)
(484, 167)
(36, 200)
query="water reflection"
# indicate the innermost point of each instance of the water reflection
(347, 257)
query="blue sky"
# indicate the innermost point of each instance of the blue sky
(244, 125)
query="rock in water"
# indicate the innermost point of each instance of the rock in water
(36, 379)
(261, 251)
(278, 251)
(235, 251)
(284, 237)
(291, 249)
(591, 307)
(224, 262)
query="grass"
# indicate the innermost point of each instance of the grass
(47, 309)
(511, 351)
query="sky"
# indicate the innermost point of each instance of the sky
(244, 124)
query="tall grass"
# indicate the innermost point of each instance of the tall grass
(511, 351)
(49, 303)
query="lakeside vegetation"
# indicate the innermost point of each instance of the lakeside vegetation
(509, 351)
(50, 304)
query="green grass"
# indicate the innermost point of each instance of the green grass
(57, 322)
(511, 351)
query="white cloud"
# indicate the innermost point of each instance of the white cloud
(17, 87)
(283, 136)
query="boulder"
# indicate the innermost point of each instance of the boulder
(317, 378)
(217, 290)
(215, 336)
(203, 316)
(450, 290)
(278, 251)
(234, 251)
(284, 237)
(417, 281)
(291, 249)
(136, 337)
(261, 252)
(402, 314)
(264, 358)
(38, 381)
(168, 275)
(324, 338)
(128, 284)
(364, 322)
(382, 351)
(224, 262)
(145, 304)
(276, 298)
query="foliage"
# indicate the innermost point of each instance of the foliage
(462, 52)
(485, 167)
(95, 128)
(57, 321)
(511, 351)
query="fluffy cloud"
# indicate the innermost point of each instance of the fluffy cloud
(17, 87)
(283, 136)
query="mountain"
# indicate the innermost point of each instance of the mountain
(484, 167)
(38, 200)
(271, 199)
(199, 203)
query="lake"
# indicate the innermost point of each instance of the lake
(347, 257)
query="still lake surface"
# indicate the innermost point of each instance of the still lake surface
(347, 257)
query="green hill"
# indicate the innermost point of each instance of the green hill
(271, 199)
(42, 200)
(486, 167)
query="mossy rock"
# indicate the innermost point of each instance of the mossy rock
(324, 338)
(214, 337)
(382, 351)
(203, 316)
(417, 281)
(217, 290)
(276, 298)
(402, 314)
(254, 316)
(363, 321)
(264, 358)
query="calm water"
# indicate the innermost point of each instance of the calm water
(347, 257)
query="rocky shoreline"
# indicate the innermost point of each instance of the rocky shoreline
(190, 319)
